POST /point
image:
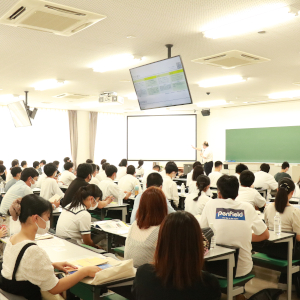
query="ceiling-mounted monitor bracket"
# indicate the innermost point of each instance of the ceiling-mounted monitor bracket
(169, 46)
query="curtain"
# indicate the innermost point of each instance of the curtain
(93, 131)
(111, 138)
(73, 135)
(45, 139)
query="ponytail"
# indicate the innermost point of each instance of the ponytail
(285, 187)
(202, 183)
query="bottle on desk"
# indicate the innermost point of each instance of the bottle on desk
(182, 189)
(213, 241)
(277, 223)
(136, 190)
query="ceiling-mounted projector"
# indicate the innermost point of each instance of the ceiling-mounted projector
(110, 97)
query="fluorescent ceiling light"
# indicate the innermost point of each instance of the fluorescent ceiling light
(221, 81)
(132, 96)
(212, 103)
(283, 95)
(48, 84)
(116, 62)
(246, 22)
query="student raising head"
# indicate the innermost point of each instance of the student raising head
(195, 203)
(239, 169)
(35, 273)
(290, 215)
(177, 271)
(283, 173)
(142, 237)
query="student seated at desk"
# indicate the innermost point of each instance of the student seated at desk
(16, 174)
(264, 180)
(14, 163)
(129, 182)
(103, 161)
(163, 173)
(237, 230)
(139, 170)
(109, 188)
(216, 174)
(142, 236)
(41, 168)
(75, 221)
(296, 192)
(177, 272)
(102, 175)
(50, 186)
(122, 169)
(34, 278)
(3, 173)
(247, 193)
(67, 176)
(190, 175)
(290, 215)
(239, 169)
(170, 186)
(94, 179)
(56, 163)
(283, 173)
(195, 202)
(156, 180)
(198, 170)
(23, 165)
(155, 169)
(20, 189)
(36, 165)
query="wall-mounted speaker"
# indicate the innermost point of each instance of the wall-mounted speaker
(205, 112)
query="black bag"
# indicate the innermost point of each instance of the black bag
(208, 233)
(267, 294)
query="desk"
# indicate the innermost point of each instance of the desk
(123, 208)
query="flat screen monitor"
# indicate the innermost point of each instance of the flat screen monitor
(19, 114)
(161, 84)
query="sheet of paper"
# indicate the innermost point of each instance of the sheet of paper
(87, 262)
(51, 243)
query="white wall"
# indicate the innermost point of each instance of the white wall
(83, 152)
(213, 127)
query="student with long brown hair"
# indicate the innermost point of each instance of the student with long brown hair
(142, 237)
(178, 261)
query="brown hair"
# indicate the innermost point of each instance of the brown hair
(152, 209)
(198, 170)
(178, 259)
(1, 162)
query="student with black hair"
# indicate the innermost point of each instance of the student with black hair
(102, 175)
(234, 222)
(139, 170)
(2, 173)
(24, 164)
(283, 173)
(170, 186)
(216, 174)
(16, 174)
(195, 202)
(14, 163)
(290, 215)
(36, 165)
(41, 168)
(155, 169)
(163, 172)
(122, 169)
(67, 159)
(56, 163)
(84, 176)
(265, 180)
(198, 170)
(129, 182)
(109, 188)
(153, 179)
(89, 161)
(19, 189)
(35, 277)
(103, 161)
(67, 175)
(49, 187)
(94, 179)
(75, 220)
(190, 175)
(239, 169)
(247, 193)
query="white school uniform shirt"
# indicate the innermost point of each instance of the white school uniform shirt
(297, 191)
(214, 176)
(266, 181)
(189, 178)
(208, 154)
(8, 176)
(94, 180)
(67, 177)
(109, 188)
(146, 174)
(170, 189)
(50, 188)
(139, 171)
(74, 223)
(252, 196)
(122, 171)
(128, 183)
(40, 180)
(196, 207)
(101, 176)
(194, 189)
(237, 176)
(234, 222)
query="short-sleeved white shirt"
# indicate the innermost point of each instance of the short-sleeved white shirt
(214, 176)
(122, 171)
(35, 265)
(252, 196)
(101, 176)
(74, 223)
(196, 207)
(234, 222)
(266, 181)
(94, 180)
(41, 179)
(50, 188)
(128, 182)
(189, 177)
(170, 189)
(67, 177)
(139, 171)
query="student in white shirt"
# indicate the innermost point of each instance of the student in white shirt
(16, 173)
(41, 168)
(234, 222)
(155, 169)
(14, 163)
(207, 157)
(198, 170)
(67, 176)
(94, 179)
(195, 203)
(50, 187)
(35, 276)
(40, 181)
(122, 169)
(24, 164)
(129, 182)
(216, 174)
(264, 180)
(297, 190)
(56, 163)
(36, 165)
(247, 193)
(163, 173)
(170, 186)
(239, 169)
(139, 170)
(102, 175)
(103, 161)
(109, 188)
(190, 175)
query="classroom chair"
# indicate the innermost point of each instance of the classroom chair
(11, 296)
(214, 191)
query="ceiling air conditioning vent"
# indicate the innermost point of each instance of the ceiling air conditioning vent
(45, 16)
(72, 96)
(230, 59)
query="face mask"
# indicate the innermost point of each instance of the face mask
(93, 207)
(43, 230)
(33, 185)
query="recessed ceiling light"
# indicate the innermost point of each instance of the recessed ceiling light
(48, 84)
(208, 104)
(221, 81)
(283, 95)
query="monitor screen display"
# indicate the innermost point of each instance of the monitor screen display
(19, 114)
(161, 84)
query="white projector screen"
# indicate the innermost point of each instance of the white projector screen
(162, 138)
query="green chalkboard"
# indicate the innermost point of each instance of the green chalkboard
(272, 144)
